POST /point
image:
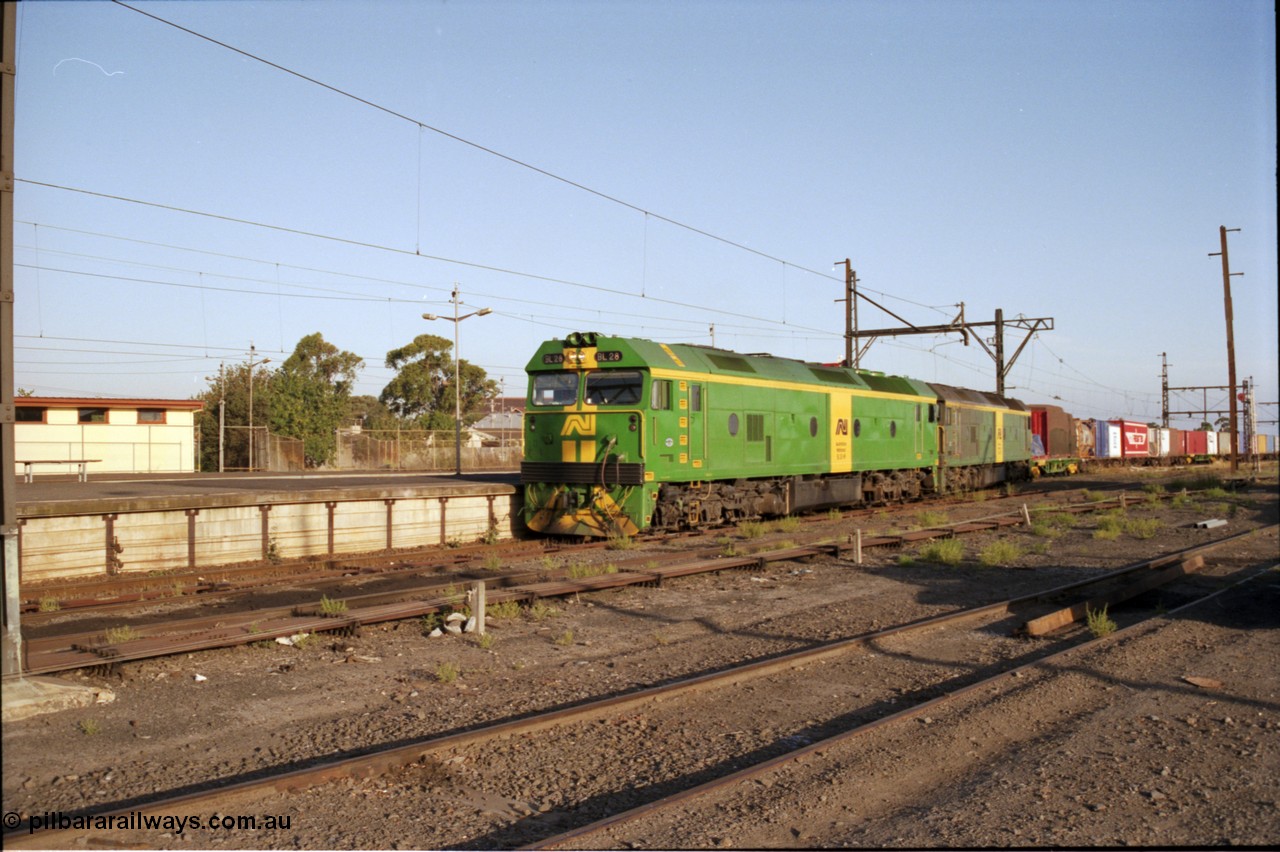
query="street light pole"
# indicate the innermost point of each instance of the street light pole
(457, 373)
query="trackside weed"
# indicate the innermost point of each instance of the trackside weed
(999, 553)
(788, 524)
(1099, 623)
(619, 542)
(927, 519)
(540, 611)
(331, 608)
(503, 610)
(116, 635)
(1143, 528)
(447, 672)
(946, 552)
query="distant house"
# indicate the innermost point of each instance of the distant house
(115, 435)
(503, 425)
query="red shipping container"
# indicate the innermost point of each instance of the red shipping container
(1177, 443)
(1197, 442)
(1133, 438)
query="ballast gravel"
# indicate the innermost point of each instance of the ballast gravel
(1117, 748)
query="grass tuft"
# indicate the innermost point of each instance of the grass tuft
(503, 610)
(116, 635)
(331, 608)
(1143, 528)
(1099, 623)
(997, 554)
(541, 611)
(447, 672)
(789, 524)
(928, 519)
(946, 552)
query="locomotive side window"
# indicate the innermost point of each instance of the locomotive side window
(555, 388)
(695, 397)
(857, 428)
(733, 425)
(613, 387)
(660, 396)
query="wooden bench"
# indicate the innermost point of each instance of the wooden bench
(82, 463)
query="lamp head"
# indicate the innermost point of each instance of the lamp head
(430, 317)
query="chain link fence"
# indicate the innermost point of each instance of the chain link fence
(398, 449)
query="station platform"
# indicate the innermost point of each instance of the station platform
(118, 524)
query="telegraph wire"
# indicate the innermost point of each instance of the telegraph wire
(377, 247)
(422, 125)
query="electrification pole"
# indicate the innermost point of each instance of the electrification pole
(850, 312)
(1164, 390)
(1231, 342)
(12, 660)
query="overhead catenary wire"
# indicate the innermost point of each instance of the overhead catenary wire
(422, 126)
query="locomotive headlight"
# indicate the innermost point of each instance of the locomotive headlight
(633, 422)
(533, 423)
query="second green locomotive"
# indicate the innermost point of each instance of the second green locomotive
(623, 434)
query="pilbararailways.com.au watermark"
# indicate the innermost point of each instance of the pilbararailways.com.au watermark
(139, 821)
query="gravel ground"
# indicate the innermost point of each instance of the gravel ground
(1116, 749)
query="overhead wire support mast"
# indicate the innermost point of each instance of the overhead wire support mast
(961, 326)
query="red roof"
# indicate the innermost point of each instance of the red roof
(94, 402)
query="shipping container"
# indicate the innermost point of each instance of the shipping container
(1177, 443)
(1224, 443)
(1162, 445)
(1107, 439)
(1052, 425)
(1085, 438)
(1205, 443)
(1133, 439)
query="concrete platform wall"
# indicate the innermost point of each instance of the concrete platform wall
(87, 546)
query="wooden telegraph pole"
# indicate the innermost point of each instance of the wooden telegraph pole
(1231, 343)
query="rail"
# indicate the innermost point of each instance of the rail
(385, 759)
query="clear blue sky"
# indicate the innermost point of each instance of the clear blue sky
(1071, 160)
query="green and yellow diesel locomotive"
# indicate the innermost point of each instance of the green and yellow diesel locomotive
(623, 434)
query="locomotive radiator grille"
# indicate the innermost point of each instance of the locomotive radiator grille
(582, 473)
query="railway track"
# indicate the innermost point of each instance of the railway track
(50, 600)
(891, 698)
(47, 652)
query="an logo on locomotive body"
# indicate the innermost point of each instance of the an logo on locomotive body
(842, 426)
(579, 424)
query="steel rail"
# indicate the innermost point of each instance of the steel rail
(773, 764)
(86, 650)
(386, 759)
